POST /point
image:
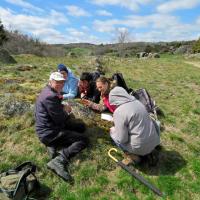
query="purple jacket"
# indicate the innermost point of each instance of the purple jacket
(49, 115)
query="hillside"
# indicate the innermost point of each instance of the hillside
(172, 80)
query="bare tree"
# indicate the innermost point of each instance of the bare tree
(123, 37)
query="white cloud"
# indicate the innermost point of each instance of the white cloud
(106, 26)
(44, 28)
(198, 20)
(129, 4)
(74, 32)
(28, 22)
(76, 11)
(57, 17)
(24, 4)
(41, 27)
(104, 13)
(85, 28)
(158, 27)
(177, 5)
(136, 21)
(74, 35)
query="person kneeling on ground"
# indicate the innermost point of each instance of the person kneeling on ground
(87, 87)
(70, 88)
(134, 131)
(56, 129)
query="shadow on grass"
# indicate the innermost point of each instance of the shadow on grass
(42, 193)
(169, 163)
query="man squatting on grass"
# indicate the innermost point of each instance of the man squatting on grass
(134, 131)
(56, 129)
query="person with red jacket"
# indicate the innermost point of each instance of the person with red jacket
(103, 85)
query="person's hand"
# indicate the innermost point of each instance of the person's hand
(82, 95)
(112, 129)
(67, 108)
(85, 102)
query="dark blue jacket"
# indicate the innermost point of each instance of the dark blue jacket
(49, 115)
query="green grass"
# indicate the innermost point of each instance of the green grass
(174, 85)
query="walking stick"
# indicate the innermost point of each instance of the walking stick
(134, 174)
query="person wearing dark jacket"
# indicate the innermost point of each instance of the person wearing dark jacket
(87, 87)
(55, 128)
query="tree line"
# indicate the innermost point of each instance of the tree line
(18, 43)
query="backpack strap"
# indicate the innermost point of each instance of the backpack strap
(27, 164)
(22, 179)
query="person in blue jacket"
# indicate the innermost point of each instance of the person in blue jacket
(70, 88)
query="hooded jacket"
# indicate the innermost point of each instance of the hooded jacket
(134, 129)
(71, 86)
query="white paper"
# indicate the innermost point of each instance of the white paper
(106, 117)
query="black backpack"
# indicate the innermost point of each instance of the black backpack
(19, 182)
(119, 81)
(95, 75)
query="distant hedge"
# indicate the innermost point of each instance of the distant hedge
(196, 46)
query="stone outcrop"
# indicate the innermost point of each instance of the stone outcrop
(5, 57)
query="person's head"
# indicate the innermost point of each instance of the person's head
(63, 70)
(56, 81)
(119, 96)
(84, 82)
(103, 85)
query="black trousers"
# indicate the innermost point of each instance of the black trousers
(70, 140)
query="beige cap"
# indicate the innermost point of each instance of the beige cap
(57, 76)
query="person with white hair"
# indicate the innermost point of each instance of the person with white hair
(56, 129)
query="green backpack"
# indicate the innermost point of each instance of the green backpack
(18, 183)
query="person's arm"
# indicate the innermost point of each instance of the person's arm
(55, 110)
(73, 89)
(120, 130)
(94, 106)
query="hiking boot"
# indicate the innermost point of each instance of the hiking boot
(57, 165)
(52, 152)
(130, 159)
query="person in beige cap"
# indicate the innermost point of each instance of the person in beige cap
(56, 129)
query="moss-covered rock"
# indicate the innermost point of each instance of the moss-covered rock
(5, 57)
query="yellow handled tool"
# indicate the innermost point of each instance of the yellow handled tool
(134, 174)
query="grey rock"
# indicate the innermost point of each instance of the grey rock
(5, 57)
(10, 106)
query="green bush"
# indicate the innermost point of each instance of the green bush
(3, 35)
(196, 46)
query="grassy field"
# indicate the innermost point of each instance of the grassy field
(171, 80)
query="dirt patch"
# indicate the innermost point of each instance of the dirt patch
(195, 64)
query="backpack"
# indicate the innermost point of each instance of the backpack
(119, 81)
(18, 183)
(144, 97)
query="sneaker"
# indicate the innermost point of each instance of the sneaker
(52, 152)
(57, 165)
(130, 159)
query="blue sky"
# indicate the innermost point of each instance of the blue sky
(101, 21)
